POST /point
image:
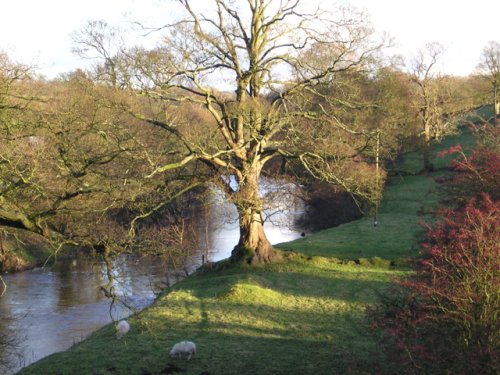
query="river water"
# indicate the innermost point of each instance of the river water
(46, 310)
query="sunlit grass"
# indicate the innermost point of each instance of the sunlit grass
(408, 200)
(304, 315)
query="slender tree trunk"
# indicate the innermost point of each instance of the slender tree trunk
(496, 105)
(1, 246)
(428, 166)
(2, 254)
(377, 176)
(253, 246)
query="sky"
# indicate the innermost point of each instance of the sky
(38, 32)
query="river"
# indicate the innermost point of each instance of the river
(46, 310)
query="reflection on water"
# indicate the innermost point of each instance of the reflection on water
(55, 307)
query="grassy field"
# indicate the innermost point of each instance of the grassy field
(394, 239)
(303, 315)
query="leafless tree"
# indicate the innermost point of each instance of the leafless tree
(256, 68)
(98, 40)
(431, 97)
(489, 67)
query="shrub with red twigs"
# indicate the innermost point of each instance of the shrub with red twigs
(445, 319)
(473, 175)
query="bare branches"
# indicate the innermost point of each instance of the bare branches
(234, 84)
(490, 61)
(159, 206)
(103, 40)
(421, 67)
(356, 178)
(489, 67)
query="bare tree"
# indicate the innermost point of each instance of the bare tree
(72, 165)
(431, 97)
(68, 159)
(270, 60)
(98, 40)
(489, 67)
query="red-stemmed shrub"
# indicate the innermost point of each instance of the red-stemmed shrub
(474, 174)
(446, 318)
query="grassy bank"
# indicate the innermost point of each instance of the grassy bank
(303, 315)
(406, 200)
(409, 198)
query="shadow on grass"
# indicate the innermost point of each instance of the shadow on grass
(222, 349)
(303, 320)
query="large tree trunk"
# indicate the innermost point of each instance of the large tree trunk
(253, 246)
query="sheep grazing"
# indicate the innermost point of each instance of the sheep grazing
(183, 348)
(122, 328)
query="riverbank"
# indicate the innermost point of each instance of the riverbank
(303, 315)
(20, 254)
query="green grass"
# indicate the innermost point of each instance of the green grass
(405, 202)
(484, 113)
(302, 315)
(413, 162)
(408, 200)
(464, 139)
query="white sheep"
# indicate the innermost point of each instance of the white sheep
(122, 328)
(183, 348)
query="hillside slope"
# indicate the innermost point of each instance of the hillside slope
(303, 315)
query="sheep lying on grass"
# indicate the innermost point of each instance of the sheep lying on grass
(183, 348)
(122, 328)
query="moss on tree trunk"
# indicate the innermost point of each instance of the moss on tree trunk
(253, 246)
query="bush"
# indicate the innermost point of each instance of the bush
(446, 318)
(475, 174)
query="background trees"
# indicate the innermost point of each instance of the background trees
(71, 160)
(489, 67)
(430, 99)
(98, 40)
(75, 166)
